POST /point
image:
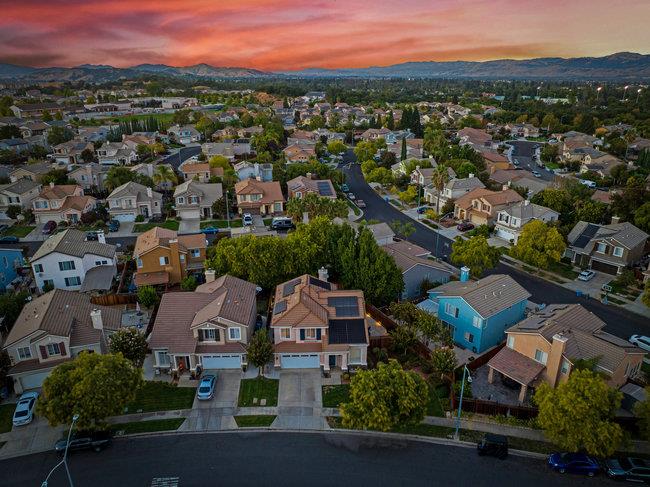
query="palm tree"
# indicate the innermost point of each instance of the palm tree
(439, 178)
(164, 174)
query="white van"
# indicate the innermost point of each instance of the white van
(588, 183)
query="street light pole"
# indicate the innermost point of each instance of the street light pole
(625, 91)
(460, 403)
(65, 456)
(417, 211)
(638, 94)
(227, 211)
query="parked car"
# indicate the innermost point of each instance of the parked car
(9, 239)
(49, 227)
(635, 469)
(210, 230)
(345, 188)
(586, 275)
(113, 225)
(24, 412)
(282, 223)
(351, 196)
(641, 341)
(206, 387)
(360, 203)
(574, 463)
(422, 210)
(493, 446)
(248, 219)
(464, 226)
(537, 174)
(91, 236)
(84, 440)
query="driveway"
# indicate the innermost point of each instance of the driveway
(216, 414)
(300, 400)
(35, 437)
(591, 287)
(189, 226)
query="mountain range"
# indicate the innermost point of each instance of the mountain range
(623, 66)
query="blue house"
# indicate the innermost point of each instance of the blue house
(10, 260)
(478, 312)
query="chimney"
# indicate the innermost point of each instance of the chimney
(471, 175)
(101, 238)
(309, 175)
(616, 219)
(526, 202)
(149, 193)
(554, 359)
(96, 317)
(464, 274)
(210, 275)
(51, 184)
(504, 187)
(323, 275)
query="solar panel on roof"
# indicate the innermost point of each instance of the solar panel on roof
(324, 188)
(586, 236)
(344, 305)
(322, 284)
(280, 307)
(290, 287)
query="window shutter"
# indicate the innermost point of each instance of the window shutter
(62, 348)
(302, 334)
(43, 351)
(317, 333)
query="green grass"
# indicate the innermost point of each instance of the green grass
(143, 227)
(438, 395)
(161, 396)
(354, 208)
(334, 396)
(564, 270)
(253, 421)
(19, 231)
(221, 223)
(6, 417)
(267, 221)
(148, 426)
(260, 388)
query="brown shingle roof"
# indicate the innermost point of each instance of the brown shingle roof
(57, 192)
(270, 191)
(516, 366)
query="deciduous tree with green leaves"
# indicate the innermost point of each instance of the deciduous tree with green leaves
(539, 244)
(260, 350)
(443, 362)
(385, 398)
(130, 343)
(315, 206)
(475, 253)
(147, 296)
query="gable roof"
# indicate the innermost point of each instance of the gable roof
(21, 186)
(159, 236)
(270, 191)
(133, 189)
(73, 242)
(58, 191)
(407, 257)
(584, 235)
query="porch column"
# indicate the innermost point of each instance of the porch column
(522, 393)
(491, 375)
(344, 361)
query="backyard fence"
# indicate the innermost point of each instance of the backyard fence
(493, 408)
(114, 299)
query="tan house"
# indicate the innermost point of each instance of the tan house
(164, 257)
(194, 200)
(199, 171)
(51, 330)
(90, 176)
(317, 325)
(299, 153)
(206, 329)
(127, 202)
(69, 152)
(302, 185)
(65, 202)
(546, 346)
(20, 193)
(481, 206)
(495, 161)
(259, 197)
(33, 172)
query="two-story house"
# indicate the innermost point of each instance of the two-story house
(511, 220)
(258, 197)
(164, 257)
(454, 189)
(303, 185)
(117, 153)
(69, 153)
(478, 312)
(90, 176)
(21, 193)
(52, 329)
(606, 248)
(547, 345)
(199, 171)
(10, 261)
(317, 325)
(131, 199)
(194, 200)
(207, 329)
(65, 260)
(65, 202)
(184, 135)
(299, 153)
(481, 206)
(247, 170)
(33, 172)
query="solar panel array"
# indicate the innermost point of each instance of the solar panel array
(290, 287)
(322, 284)
(280, 307)
(324, 188)
(344, 305)
(586, 236)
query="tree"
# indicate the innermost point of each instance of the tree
(402, 156)
(626, 203)
(443, 362)
(119, 175)
(474, 253)
(550, 152)
(315, 205)
(87, 155)
(260, 350)
(380, 175)
(189, 283)
(365, 150)
(205, 125)
(94, 386)
(642, 217)
(577, 415)
(641, 410)
(147, 296)
(58, 135)
(5, 365)
(539, 244)
(591, 211)
(164, 174)
(336, 147)
(131, 344)
(182, 117)
(11, 304)
(13, 211)
(10, 132)
(404, 339)
(385, 398)
(46, 116)
(439, 178)
(56, 176)
(404, 229)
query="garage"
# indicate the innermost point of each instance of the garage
(505, 235)
(222, 361)
(300, 361)
(33, 381)
(125, 217)
(604, 267)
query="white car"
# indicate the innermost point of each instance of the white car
(24, 413)
(641, 342)
(247, 219)
(586, 275)
(537, 174)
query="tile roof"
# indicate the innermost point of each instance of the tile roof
(159, 236)
(270, 191)
(151, 278)
(73, 242)
(134, 189)
(21, 186)
(585, 235)
(58, 191)
(516, 366)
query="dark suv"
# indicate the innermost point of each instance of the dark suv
(84, 440)
(493, 445)
(282, 224)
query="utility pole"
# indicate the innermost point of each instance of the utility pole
(227, 211)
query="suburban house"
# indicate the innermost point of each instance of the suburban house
(303, 185)
(117, 153)
(184, 135)
(53, 329)
(478, 312)
(199, 171)
(416, 268)
(317, 325)
(10, 261)
(606, 248)
(69, 153)
(602, 164)
(494, 161)
(247, 170)
(522, 130)
(164, 257)
(65, 260)
(60, 203)
(89, 176)
(414, 148)
(481, 206)
(132, 199)
(299, 153)
(33, 172)
(511, 220)
(21, 193)
(454, 189)
(546, 346)
(231, 150)
(194, 200)
(16, 145)
(150, 170)
(476, 138)
(520, 178)
(208, 328)
(259, 197)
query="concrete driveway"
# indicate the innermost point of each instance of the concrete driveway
(591, 287)
(217, 413)
(35, 437)
(189, 226)
(300, 400)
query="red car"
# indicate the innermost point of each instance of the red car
(464, 226)
(49, 227)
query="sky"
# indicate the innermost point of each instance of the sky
(292, 34)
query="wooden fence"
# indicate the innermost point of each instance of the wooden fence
(493, 408)
(481, 360)
(114, 299)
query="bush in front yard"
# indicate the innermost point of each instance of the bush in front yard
(139, 219)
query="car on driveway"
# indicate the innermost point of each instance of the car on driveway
(113, 225)
(351, 196)
(24, 413)
(586, 275)
(345, 188)
(84, 440)
(91, 236)
(464, 226)
(49, 227)
(210, 230)
(635, 469)
(641, 342)
(574, 463)
(360, 203)
(9, 239)
(205, 391)
(247, 219)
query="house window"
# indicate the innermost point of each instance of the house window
(469, 338)
(73, 281)
(194, 200)
(182, 257)
(285, 333)
(310, 334)
(24, 353)
(355, 355)
(565, 367)
(164, 260)
(38, 267)
(277, 206)
(163, 358)
(451, 310)
(101, 262)
(477, 321)
(511, 341)
(48, 283)
(541, 356)
(618, 251)
(180, 201)
(196, 252)
(210, 334)
(68, 265)
(234, 333)
(138, 262)
(602, 248)
(53, 349)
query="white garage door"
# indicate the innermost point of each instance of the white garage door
(300, 361)
(125, 217)
(33, 381)
(221, 361)
(504, 234)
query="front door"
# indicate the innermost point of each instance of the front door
(144, 211)
(332, 360)
(206, 213)
(183, 363)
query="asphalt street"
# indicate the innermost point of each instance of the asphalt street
(523, 152)
(185, 153)
(283, 459)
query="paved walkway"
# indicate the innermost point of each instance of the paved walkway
(189, 226)
(300, 401)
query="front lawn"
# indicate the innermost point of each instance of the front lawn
(564, 270)
(254, 421)
(161, 396)
(6, 417)
(354, 207)
(149, 426)
(221, 223)
(334, 396)
(438, 397)
(20, 231)
(168, 224)
(260, 388)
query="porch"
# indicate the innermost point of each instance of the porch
(514, 368)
